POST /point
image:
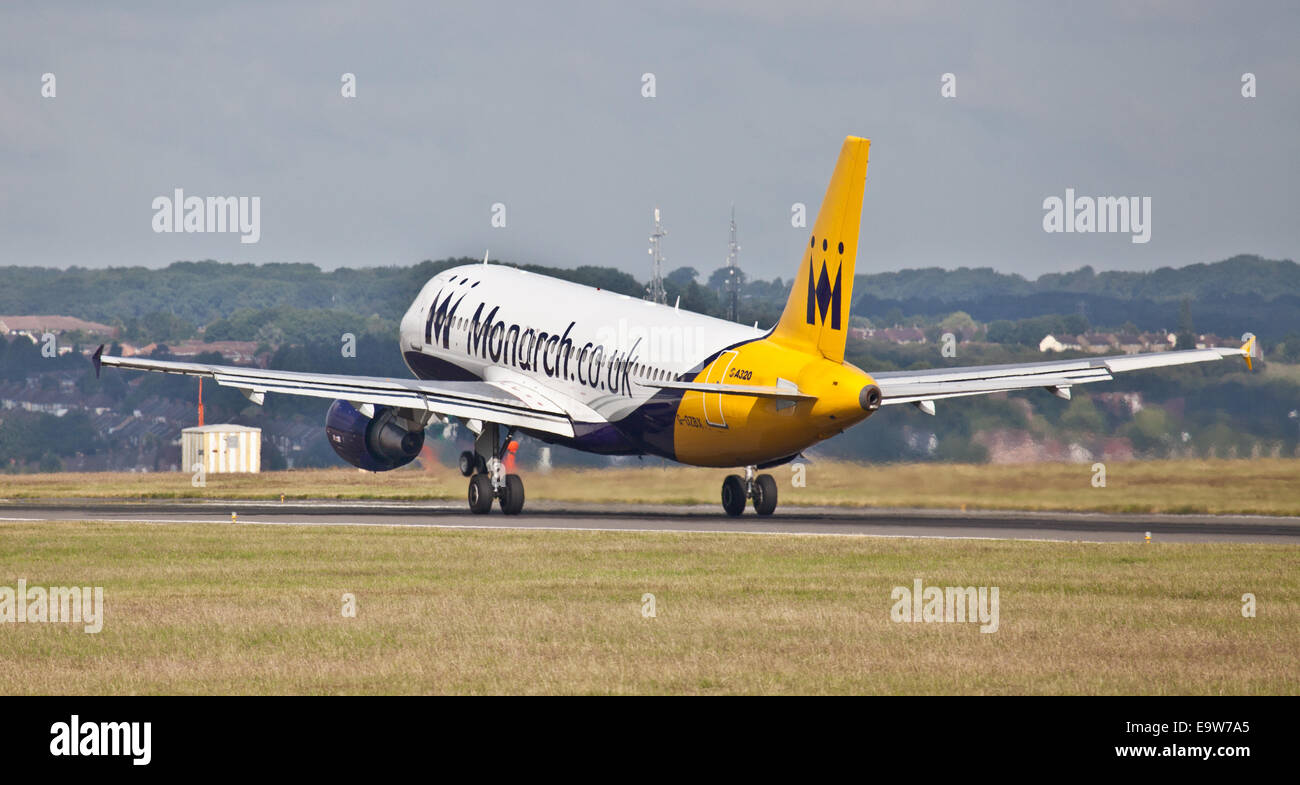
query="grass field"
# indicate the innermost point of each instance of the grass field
(251, 609)
(1259, 486)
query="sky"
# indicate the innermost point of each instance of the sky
(540, 107)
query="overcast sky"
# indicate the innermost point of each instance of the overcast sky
(539, 106)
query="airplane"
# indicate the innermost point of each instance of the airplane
(505, 352)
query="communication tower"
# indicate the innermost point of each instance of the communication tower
(655, 291)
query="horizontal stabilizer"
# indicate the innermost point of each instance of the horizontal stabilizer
(756, 391)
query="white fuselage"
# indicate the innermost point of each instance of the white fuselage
(601, 349)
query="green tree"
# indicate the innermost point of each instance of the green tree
(682, 276)
(1002, 331)
(1075, 324)
(1082, 416)
(958, 322)
(1151, 429)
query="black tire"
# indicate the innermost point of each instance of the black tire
(480, 494)
(765, 494)
(733, 495)
(512, 496)
(467, 463)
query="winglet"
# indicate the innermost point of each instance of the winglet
(1250, 349)
(94, 359)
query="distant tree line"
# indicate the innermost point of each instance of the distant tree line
(298, 302)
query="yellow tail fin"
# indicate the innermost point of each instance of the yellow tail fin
(816, 317)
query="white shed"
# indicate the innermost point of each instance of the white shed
(222, 448)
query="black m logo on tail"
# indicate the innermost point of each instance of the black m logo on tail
(823, 295)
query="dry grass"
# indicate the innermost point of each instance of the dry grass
(244, 609)
(1263, 486)
(1268, 486)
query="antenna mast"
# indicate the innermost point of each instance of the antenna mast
(734, 276)
(655, 291)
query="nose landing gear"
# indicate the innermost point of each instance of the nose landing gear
(736, 489)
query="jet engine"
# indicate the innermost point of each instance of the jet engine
(375, 443)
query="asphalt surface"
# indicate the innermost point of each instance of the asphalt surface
(1089, 527)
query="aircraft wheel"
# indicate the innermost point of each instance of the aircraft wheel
(480, 494)
(512, 496)
(764, 494)
(467, 463)
(733, 495)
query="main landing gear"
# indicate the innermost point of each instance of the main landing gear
(486, 469)
(736, 489)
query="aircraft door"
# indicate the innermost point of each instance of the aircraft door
(713, 401)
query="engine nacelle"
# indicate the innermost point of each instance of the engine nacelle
(375, 444)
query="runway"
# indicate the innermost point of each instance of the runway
(826, 521)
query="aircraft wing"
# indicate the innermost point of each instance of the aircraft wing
(924, 387)
(504, 402)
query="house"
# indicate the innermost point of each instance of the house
(1159, 342)
(35, 326)
(234, 351)
(1051, 343)
(1131, 343)
(898, 334)
(1210, 340)
(1099, 343)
